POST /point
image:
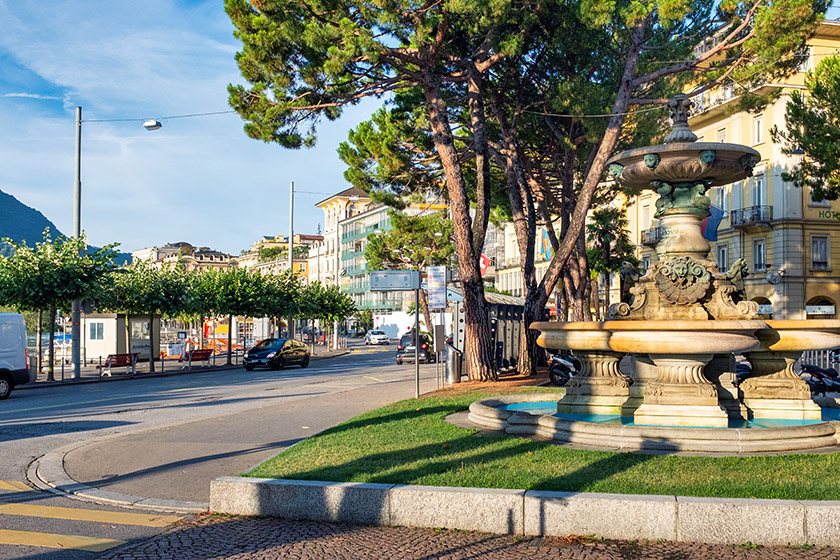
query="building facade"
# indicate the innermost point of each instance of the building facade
(789, 242)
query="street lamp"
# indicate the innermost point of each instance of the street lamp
(75, 312)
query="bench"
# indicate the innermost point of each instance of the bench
(198, 355)
(128, 361)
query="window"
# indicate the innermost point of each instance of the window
(759, 192)
(819, 252)
(820, 203)
(645, 265)
(722, 253)
(97, 331)
(722, 198)
(645, 216)
(758, 129)
(721, 135)
(759, 261)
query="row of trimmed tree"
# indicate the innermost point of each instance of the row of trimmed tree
(52, 274)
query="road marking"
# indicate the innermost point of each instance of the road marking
(51, 540)
(14, 486)
(374, 378)
(98, 516)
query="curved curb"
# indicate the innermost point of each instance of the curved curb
(47, 473)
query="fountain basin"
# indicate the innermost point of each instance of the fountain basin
(652, 337)
(799, 335)
(619, 434)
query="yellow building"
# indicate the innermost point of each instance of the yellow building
(784, 236)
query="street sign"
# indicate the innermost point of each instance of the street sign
(394, 280)
(436, 286)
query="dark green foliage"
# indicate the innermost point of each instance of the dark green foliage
(813, 130)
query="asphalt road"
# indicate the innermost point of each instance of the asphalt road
(168, 437)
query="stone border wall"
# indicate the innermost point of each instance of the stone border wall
(520, 512)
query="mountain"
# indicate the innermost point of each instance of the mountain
(20, 222)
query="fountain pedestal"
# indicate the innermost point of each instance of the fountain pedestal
(681, 395)
(600, 388)
(773, 390)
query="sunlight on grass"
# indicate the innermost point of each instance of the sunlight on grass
(410, 443)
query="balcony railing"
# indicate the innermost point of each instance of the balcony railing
(752, 216)
(652, 236)
(363, 232)
(357, 270)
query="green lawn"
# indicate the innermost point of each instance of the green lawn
(410, 443)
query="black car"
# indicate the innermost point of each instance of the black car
(277, 353)
(405, 349)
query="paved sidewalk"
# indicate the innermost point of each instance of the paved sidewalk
(235, 538)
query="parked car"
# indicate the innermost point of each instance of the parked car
(277, 353)
(377, 337)
(14, 368)
(425, 353)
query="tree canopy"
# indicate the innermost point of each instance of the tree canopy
(482, 73)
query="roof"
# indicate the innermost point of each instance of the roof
(347, 193)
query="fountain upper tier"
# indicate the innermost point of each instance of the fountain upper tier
(681, 169)
(711, 164)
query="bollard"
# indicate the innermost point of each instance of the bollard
(454, 362)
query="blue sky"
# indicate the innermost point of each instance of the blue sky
(200, 179)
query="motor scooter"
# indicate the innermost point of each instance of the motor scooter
(563, 367)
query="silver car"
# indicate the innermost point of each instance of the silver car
(377, 337)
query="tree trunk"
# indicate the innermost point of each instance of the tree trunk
(230, 339)
(599, 159)
(51, 351)
(424, 308)
(607, 283)
(39, 330)
(151, 343)
(596, 298)
(477, 352)
(127, 333)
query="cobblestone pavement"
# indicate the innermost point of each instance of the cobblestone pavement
(214, 537)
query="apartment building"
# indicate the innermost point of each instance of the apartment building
(790, 243)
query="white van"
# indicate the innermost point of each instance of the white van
(13, 354)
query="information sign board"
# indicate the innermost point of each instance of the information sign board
(394, 280)
(436, 286)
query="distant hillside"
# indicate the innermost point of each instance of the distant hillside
(20, 222)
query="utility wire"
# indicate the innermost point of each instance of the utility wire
(162, 118)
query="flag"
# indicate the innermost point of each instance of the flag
(710, 224)
(484, 263)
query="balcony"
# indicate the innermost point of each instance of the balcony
(752, 218)
(650, 237)
(380, 305)
(363, 232)
(347, 255)
(357, 270)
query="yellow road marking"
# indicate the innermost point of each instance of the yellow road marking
(118, 517)
(52, 540)
(374, 378)
(14, 486)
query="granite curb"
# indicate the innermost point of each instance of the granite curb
(536, 513)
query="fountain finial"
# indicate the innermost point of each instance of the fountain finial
(680, 107)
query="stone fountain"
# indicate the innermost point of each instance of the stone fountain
(685, 321)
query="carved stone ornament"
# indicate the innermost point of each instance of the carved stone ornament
(748, 162)
(615, 169)
(651, 160)
(707, 157)
(680, 108)
(682, 280)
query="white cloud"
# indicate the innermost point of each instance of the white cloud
(31, 96)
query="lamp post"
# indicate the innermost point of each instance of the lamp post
(76, 307)
(291, 320)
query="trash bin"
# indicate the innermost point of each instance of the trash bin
(454, 362)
